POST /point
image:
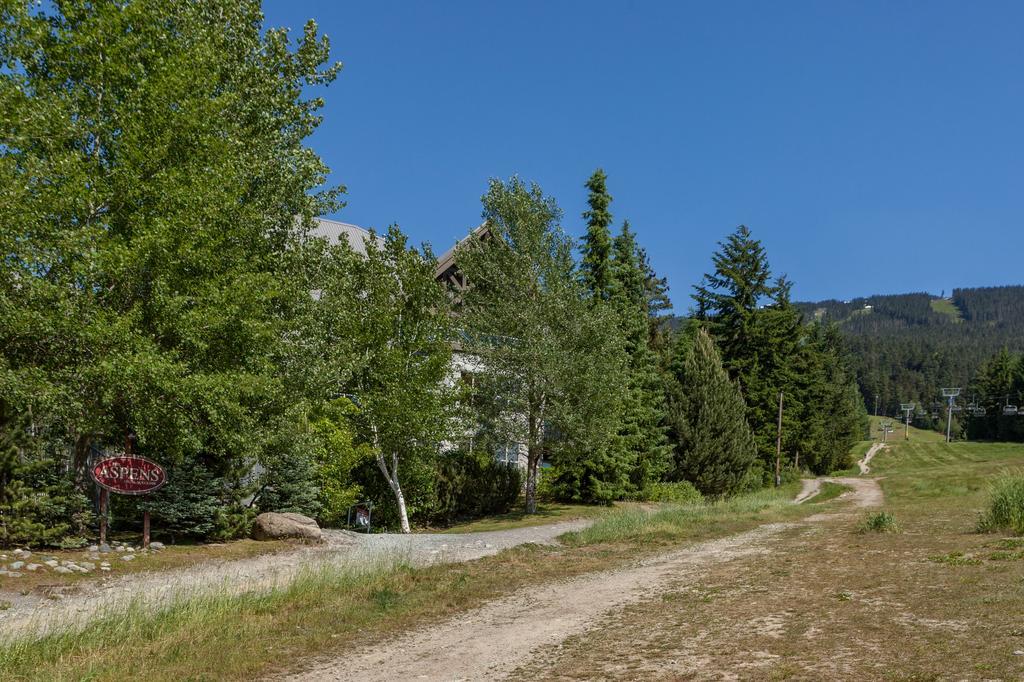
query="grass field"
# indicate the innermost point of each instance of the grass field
(907, 592)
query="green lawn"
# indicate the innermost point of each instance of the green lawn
(915, 472)
(897, 435)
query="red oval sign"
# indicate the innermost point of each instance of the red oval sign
(128, 474)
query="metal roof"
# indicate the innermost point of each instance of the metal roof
(333, 231)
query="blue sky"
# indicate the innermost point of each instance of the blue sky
(873, 147)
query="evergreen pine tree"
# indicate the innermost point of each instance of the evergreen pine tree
(597, 243)
(756, 329)
(715, 447)
(642, 431)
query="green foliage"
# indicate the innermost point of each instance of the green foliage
(596, 248)
(189, 505)
(387, 342)
(878, 522)
(474, 485)
(678, 492)
(553, 365)
(290, 477)
(154, 191)
(999, 382)
(1006, 505)
(768, 349)
(905, 348)
(642, 431)
(714, 445)
(39, 504)
(337, 456)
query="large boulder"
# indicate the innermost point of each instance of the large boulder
(281, 526)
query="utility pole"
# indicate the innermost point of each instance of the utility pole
(951, 394)
(886, 430)
(778, 448)
(876, 404)
(907, 409)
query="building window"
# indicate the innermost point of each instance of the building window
(507, 453)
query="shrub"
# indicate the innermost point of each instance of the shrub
(473, 485)
(879, 522)
(39, 503)
(1006, 505)
(187, 506)
(336, 456)
(681, 492)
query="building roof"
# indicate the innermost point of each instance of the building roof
(333, 231)
(446, 262)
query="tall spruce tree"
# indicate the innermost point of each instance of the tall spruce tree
(714, 446)
(596, 268)
(642, 430)
(755, 328)
(768, 349)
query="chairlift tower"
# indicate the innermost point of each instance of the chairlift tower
(886, 430)
(907, 409)
(951, 394)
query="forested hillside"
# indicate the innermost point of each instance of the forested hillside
(907, 347)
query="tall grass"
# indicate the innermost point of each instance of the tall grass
(879, 522)
(678, 520)
(1006, 505)
(112, 644)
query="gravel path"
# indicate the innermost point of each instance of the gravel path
(35, 613)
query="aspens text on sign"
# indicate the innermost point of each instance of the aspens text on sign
(128, 474)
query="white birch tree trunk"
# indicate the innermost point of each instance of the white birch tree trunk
(391, 474)
(392, 477)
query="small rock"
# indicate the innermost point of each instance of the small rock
(93, 548)
(1018, 652)
(52, 563)
(127, 557)
(104, 547)
(119, 548)
(17, 565)
(62, 569)
(104, 568)
(33, 567)
(87, 565)
(130, 549)
(156, 545)
(13, 574)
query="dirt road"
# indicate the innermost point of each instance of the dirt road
(493, 641)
